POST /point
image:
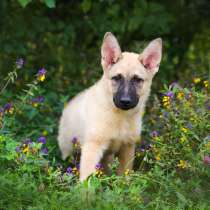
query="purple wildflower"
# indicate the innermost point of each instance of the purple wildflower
(36, 101)
(41, 74)
(17, 149)
(74, 140)
(166, 115)
(78, 166)
(206, 160)
(1, 112)
(44, 151)
(8, 107)
(170, 94)
(207, 103)
(69, 170)
(98, 166)
(39, 99)
(144, 146)
(19, 63)
(42, 139)
(42, 71)
(154, 134)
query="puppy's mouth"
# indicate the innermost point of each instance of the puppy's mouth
(125, 103)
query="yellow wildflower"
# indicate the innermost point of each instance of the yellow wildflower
(196, 80)
(34, 104)
(157, 157)
(41, 78)
(184, 129)
(41, 74)
(99, 173)
(206, 83)
(127, 171)
(183, 139)
(75, 171)
(44, 133)
(166, 101)
(26, 149)
(180, 96)
(182, 164)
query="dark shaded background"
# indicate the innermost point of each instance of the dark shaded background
(66, 39)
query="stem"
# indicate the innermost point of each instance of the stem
(4, 87)
(11, 77)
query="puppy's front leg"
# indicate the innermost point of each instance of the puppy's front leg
(92, 152)
(126, 157)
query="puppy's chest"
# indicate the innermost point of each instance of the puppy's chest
(123, 132)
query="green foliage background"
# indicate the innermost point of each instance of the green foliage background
(65, 36)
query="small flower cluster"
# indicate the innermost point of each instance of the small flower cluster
(177, 92)
(28, 147)
(198, 80)
(99, 170)
(73, 171)
(7, 109)
(145, 146)
(73, 159)
(182, 164)
(41, 75)
(206, 84)
(167, 99)
(36, 101)
(154, 134)
(75, 143)
(180, 95)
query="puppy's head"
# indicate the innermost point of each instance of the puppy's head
(129, 75)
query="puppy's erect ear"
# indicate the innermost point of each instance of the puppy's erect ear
(110, 51)
(151, 56)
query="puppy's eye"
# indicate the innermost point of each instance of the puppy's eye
(137, 79)
(117, 78)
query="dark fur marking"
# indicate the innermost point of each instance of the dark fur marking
(126, 97)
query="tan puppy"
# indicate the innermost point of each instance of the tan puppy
(106, 118)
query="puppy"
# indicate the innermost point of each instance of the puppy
(106, 118)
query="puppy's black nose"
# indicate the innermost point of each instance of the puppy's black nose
(126, 101)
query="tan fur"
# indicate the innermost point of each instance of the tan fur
(101, 128)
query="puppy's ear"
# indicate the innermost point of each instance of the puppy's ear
(151, 56)
(110, 51)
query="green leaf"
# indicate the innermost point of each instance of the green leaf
(86, 5)
(24, 3)
(50, 3)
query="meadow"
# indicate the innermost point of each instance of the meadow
(50, 51)
(172, 163)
